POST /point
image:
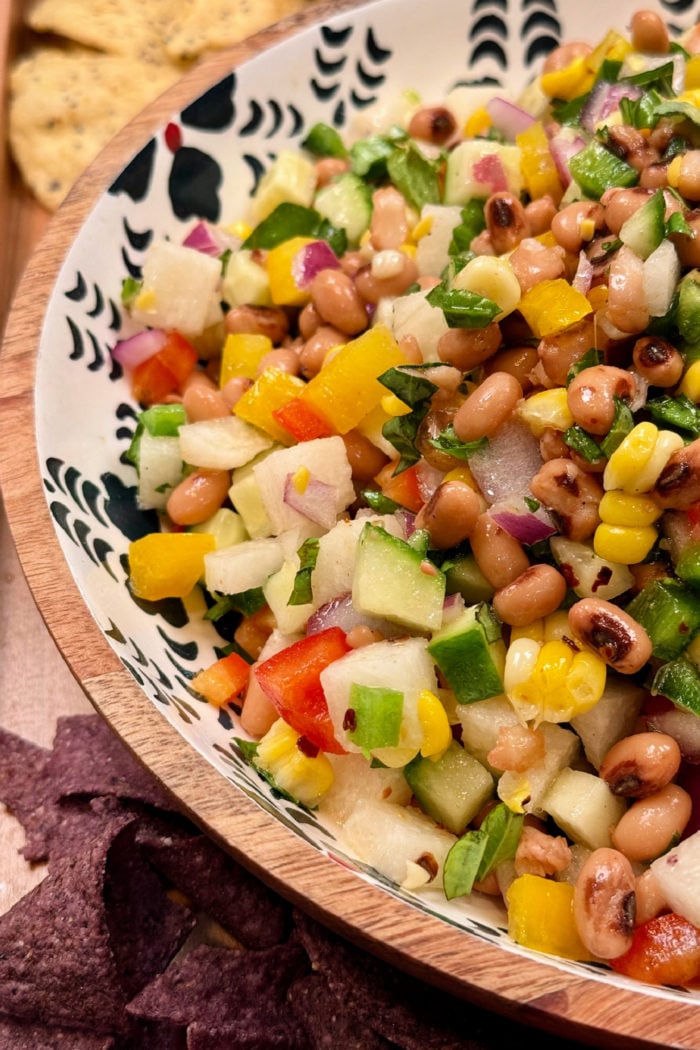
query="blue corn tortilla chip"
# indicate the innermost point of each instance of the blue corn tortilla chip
(258, 1035)
(216, 884)
(88, 758)
(326, 1019)
(56, 963)
(25, 788)
(20, 1035)
(217, 987)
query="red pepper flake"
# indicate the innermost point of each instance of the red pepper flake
(603, 577)
(427, 568)
(350, 720)
(427, 862)
(306, 747)
(173, 137)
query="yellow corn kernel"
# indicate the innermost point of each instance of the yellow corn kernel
(562, 683)
(587, 228)
(240, 228)
(146, 300)
(394, 406)
(556, 626)
(622, 508)
(547, 238)
(494, 278)
(533, 631)
(422, 228)
(546, 409)
(673, 171)
(517, 794)
(478, 123)
(521, 660)
(690, 95)
(598, 296)
(408, 249)
(667, 442)
(690, 383)
(568, 83)
(630, 457)
(624, 544)
(461, 473)
(305, 777)
(541, 917)
(435, 725)
(300, 478)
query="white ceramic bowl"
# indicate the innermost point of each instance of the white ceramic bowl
(70, 495)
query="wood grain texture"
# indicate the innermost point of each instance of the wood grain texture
(531, 991)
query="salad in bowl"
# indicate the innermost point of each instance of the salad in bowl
(422, 426)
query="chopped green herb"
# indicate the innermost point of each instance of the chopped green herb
(324, 141)
(294, 220)
(580, 441)
(478, 852)
(301, 591)
(447, 441)
(591, 358)
(623, 422)
(130, 289)
(415, 176)
(678, 412)
(463, 309)
(246, 603)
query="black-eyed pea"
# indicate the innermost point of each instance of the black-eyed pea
(540, 213)
(365, 459)
(534, 594)
(592, 392)
(576, 223)
(271, 321)
(313, 352)
(328, 168)
(434, 124)
(571, 494)
(203, 401)
(506, 221)
(390, 225)
(389, 274)
(468, 348)
(612, 633)
(658, 361)
(500, 557)
(640, 764)
(649, 33)
(627, 310)
(234, 389)
(281, 359)
(605, 904)
(620, 202)
(678, 485)
(338, 302)
(518, 361)
(488, 407)
(198, 496)
(651, 825)
(450, 514)
(684, 174)
(534, 262)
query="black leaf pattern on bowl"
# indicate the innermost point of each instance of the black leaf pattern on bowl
(135, 178)
(215, 109)
(195, 178)
(139, 240)
(77, 292)
(255, 119)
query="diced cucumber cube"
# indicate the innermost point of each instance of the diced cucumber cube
(669, 611)
(471, 655)
(347, 204)
(452, 789)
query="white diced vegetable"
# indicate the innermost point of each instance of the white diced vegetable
(678, 875)
(245, 282)
(392, 839)
(584, 807)
(325, 459)
(337, 552)
(356, 781)
(160, 470)
(246, 497)
(589, 575)
(277, 590)
(413, 315)
(481, 723)
(242, 567)
(432, 250)
(524, 791)
(477, 168)
(612, 718)
(221, 444)
(180, 284)
(403, 666)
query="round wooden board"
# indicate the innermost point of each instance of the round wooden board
(525, 989)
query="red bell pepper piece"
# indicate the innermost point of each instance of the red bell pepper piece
(301, 422)
(291, 679)
(664, 950)
(165, 371)
(402, 488)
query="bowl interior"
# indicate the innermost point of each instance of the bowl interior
(204, 162)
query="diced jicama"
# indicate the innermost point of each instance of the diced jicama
(325, 459)
(678, 875)
(432, 250)
(221, 444)
(242, 567)
(611, 719)
(584, 807)
(403, 666)
(589, 575)
(478, 168)
(524, 791)
(395, 839)
(661, 273)
(179, 289)
(413, 315)
(356, 782)
(160, 470)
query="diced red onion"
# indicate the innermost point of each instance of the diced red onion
(508, 118)
(340, 612)
(528, 528)
(605, 99)
(317, 501)
(683, 726)
(133, 351)
(489, 171)
(205, 238)
(310, 260)
(563, 146)
(584, 274)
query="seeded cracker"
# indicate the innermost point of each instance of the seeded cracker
(65, 104)
(209, 25)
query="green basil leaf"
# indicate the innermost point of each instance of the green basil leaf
(379, 502)
(580, 441)
(448, 442)
(246, 603)
(289, 220)
(591, 358)
(308, 554)
(678, 412)
(463, 309)
(477, 853)
(415, 176)
(324, 141)
(622, 423)
(471, 225)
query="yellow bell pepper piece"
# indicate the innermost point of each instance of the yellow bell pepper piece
(167, 564)
(570, 82)
(546, 409)
(347, 388)
(553, 306)
(477, 123)
(271, 390)
(540, 173)
(613, 47)
(241, 355)
(541, 917)
(692, 73)
(284, 289)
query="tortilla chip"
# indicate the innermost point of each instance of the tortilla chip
(88, 758)
(56, 963)
(119, 27)
(251, 1035)
(22, 1036)
(66, 104)
(26, 791)
(217, 885)
(210, 25)
(327, 1020)
(218, 987)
